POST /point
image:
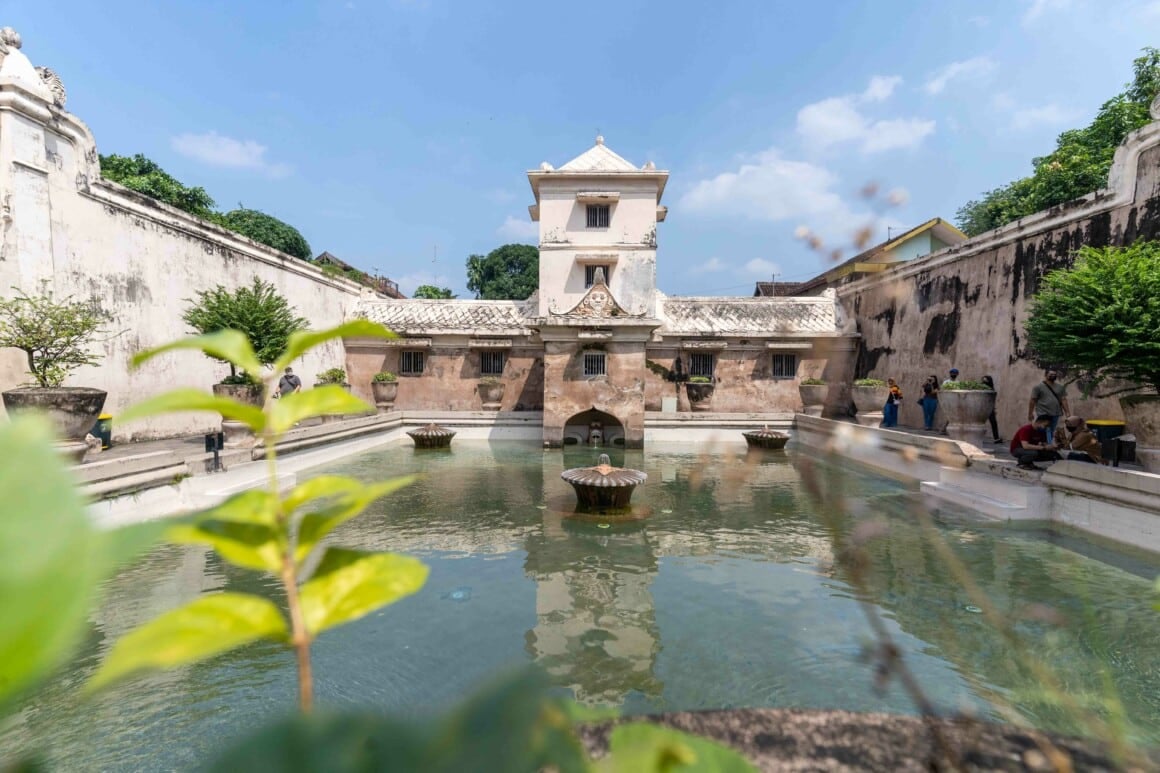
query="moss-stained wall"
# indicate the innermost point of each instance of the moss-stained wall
(965, 307)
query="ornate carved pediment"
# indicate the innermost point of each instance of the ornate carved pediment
(597, 302)
(53, 81)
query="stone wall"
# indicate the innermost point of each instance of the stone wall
(568, 391)
(66, 230)
(965, 306)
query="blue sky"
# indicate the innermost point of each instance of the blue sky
(397, 134)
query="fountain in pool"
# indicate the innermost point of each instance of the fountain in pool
(603, 488)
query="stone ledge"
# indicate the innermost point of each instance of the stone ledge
(98, 470)
(868, 444)
(1128, 488)
(818, 740)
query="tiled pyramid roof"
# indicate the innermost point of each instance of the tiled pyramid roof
(598, 158)
(422, 316)
(748, 316)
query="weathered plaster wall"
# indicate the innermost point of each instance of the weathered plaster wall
(569, 391)
(965, 306)
(450, 377)
(69, 231)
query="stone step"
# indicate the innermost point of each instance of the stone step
(997, 509)
(1018, 493)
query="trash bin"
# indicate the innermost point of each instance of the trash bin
(1106, 431)
(103, 429)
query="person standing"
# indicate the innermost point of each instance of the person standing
(929, 402)
(1048, 398)
(893, 400)
(289, 383)
(990, 382)
(952, 377)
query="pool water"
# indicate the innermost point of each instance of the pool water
(725, 594)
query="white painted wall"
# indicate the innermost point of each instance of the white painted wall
(567, 244)
(63, 228)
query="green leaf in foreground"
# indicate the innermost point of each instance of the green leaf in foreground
(229, 345)
(196, 400)
(303, 341)
(206, 626)
(349, 584)
(320, 401)
(50, 563)
(248, 545)
(640, 746)
(318, 524)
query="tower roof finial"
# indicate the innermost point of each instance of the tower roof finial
(599, 139)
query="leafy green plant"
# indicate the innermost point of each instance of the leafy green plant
(265, 531)
(140, 174)
(384, 377)
(258, 311)
(331, 376)
(700, 380)
(1102, 315)
(869, 382)
(966, 386)
(432, 292)
(1081, 159)
(490, 380)
(812, 382)
(242, 379)
(510, 272)
(267, 230)
(54, 335)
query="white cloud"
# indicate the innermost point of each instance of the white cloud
(1044, 115)
(838, 119)
(710, 266)
(1040, 8)
(760, 267)
(968, 68)
(896, 133)
(518, 230)
(217, 150)
(881, 87)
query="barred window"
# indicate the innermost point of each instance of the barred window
(594, 364)
(491, 363)
(598, 215)
(701, 364)
(590, 274)
(784, 365)
(411, 363)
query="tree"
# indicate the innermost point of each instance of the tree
(432, 292)
(144, 176)
(257, 310)
(1081, 159)
(1102, 315)
(54, 335)
(266, 229)
(510, 272)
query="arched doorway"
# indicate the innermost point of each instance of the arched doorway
(593, 427)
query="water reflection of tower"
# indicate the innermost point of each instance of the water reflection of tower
(596, 629)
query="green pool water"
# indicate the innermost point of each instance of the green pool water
(724, 595)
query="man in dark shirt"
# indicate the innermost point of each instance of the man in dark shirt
(289, 383)
(1030, 444)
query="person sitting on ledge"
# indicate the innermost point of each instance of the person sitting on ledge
(1030, 444)
(1082, 443)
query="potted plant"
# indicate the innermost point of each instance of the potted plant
(869, 395)
(336, 376)
(813, 392)
(266, 317)
(491, 393)
(699, 390)
(55, 337)
(1099, 318)
(966, 405)
(385, 387)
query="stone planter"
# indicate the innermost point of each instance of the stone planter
(72, 410)
(813, 398)
(330, 418)
(868, 400)
(966, 412)
(1142, 415)
(385, 393)
(491, 394)
(700, 395)
(235, 433)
